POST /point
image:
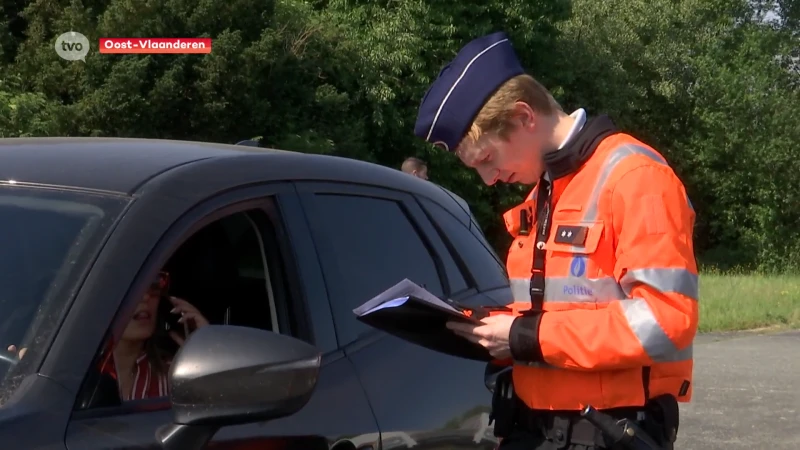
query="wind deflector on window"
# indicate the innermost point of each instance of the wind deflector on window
(248, 143)
(415, 315)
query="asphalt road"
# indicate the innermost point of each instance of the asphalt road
(746, 393)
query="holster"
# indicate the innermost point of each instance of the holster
(663, 419)
(504, 406)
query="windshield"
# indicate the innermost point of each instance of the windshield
(47, 238)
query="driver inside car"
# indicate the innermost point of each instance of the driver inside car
(138, 362)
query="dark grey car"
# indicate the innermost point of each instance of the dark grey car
(275, 249)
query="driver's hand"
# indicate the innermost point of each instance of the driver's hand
(191, 318)
(13, 349)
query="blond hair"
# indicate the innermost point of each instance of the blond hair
(497, 113)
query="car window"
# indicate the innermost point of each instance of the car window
(372, 245)
(456, 282)
(46, 237)
(474, 227)
(476, 255)
(223, 269)
(455, 273)
(476, 231)
(228, 272)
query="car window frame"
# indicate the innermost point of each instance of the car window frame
(411, 207)
(457, 255)
(474, 227)
(198, 216)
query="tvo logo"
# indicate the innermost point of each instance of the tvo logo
(72, 46)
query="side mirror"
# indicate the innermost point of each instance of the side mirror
(228, 375)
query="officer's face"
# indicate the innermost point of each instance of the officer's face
(517, 159)
(514, 159)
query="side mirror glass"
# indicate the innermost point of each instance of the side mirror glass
(228, 375)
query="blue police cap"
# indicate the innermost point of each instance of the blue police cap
(463, 86)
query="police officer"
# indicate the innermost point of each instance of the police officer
(602, 265)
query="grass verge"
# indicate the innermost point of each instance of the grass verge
(742, 302)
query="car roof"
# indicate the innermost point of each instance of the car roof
(123, 165)
(107, 164)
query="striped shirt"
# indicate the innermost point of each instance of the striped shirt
(147, 383)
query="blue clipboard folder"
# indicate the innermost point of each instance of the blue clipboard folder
(413, 314)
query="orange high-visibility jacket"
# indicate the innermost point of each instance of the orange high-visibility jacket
(620, 308)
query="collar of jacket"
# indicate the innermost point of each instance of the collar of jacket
(580, 148)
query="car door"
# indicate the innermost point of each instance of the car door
(370, 238)
(338, 414)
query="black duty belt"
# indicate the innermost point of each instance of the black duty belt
(565, 428)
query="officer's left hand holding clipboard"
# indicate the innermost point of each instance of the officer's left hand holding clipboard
(411, 313)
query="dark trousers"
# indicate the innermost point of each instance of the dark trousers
(526, 440)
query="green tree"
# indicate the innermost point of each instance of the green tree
(713, 84)
(703, 82)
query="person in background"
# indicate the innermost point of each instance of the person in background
(416, 167)
(602, 266)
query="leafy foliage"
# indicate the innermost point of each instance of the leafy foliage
(714, 84)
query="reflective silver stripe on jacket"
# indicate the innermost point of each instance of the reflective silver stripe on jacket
(601, 290)
(676, 280)
(637, 311)
(651, 335)
(570, 289)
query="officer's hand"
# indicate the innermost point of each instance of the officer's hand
(492, 334)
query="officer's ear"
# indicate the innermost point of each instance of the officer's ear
(525, 115)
